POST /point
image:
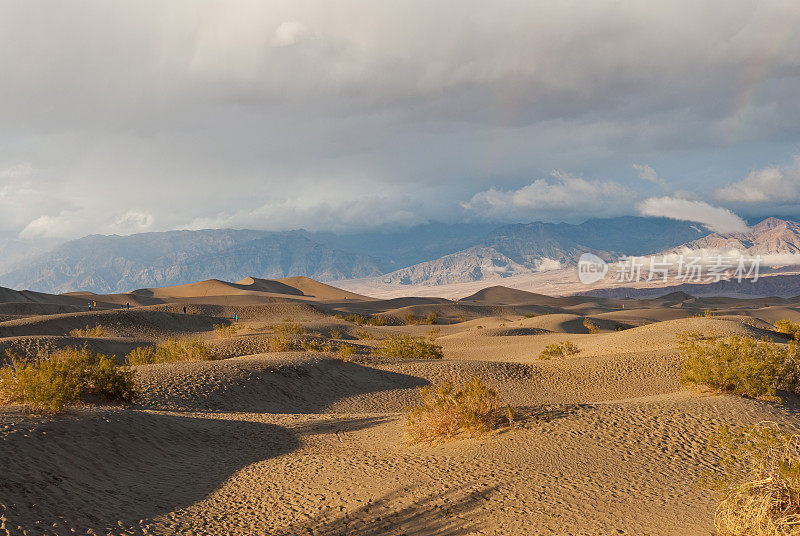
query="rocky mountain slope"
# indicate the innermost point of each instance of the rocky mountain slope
(107, 264)
(772, 236)
(431, 254)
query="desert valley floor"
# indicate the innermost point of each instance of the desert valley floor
(606, 441)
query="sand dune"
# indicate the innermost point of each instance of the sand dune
(607, 442)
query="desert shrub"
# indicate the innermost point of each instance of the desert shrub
(345, 353)
(170, 351)
(759, 481)
(792, 329)
(356, 319)
(288, 328)
(432, 318)
(365, 335)
(619, 327)
(529, 315)
(281, 343)
(407, 347)
(313, 345)
(376, 321)
(49, 384)
(226, 330)
(433, 333)
(446, 411)
(141, 355)
(335, 334)
(591, 326)
(738, 365)
(410, 319)
(561, 349)
(96, 331)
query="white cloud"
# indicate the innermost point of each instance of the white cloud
(766, 185)
(564, 193)
(646, 173)
(61, 225)
(134, 221)
(717, 219)
(289, 33)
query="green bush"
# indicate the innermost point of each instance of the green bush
(226, 330)
(433, 333)
(365, 335)
(561, 349)
(345, 353)
(281, 343)
(376, 321)
(407, 347)
(313, 345)
(432, 318)
(288, 328)
(792, 329)
(410, 319)
(171, 351)
(52, 383)
(738, 365)
(759, 480)
(96, 331)
(591, 325)
(445, 411)
(335, 334)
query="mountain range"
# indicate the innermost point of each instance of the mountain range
(426, 255)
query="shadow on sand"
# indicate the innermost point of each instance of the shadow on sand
(103, 469)
(270, 385)
(451, 513)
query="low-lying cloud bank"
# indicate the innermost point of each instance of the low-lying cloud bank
(717, 219)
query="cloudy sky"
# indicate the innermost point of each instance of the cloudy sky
(119, 117)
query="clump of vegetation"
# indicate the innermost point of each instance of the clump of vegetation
(96, 331)
(433, 333)
(313, 345)
(170, 351)
(362, 320)
(410, 319)
(561, 349)
(792, 329)
(446, 411)
(345, 353)
(281, 343)
(432, 318)
(226, 330)
(759, 481)
(49, 384)
(335, 334)
(376, 321)
(529, 315)
(365, 335)
(740, 365)
(591, 325)
(288, 328)
(407, 347)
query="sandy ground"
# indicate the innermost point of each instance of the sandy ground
(607, 442)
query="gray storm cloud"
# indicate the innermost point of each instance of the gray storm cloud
(156, 115)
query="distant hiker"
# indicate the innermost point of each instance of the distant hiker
(94, 304)
(128, 306)
(165, 307)
(184, 309)
(235, 317)
(90, 306)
